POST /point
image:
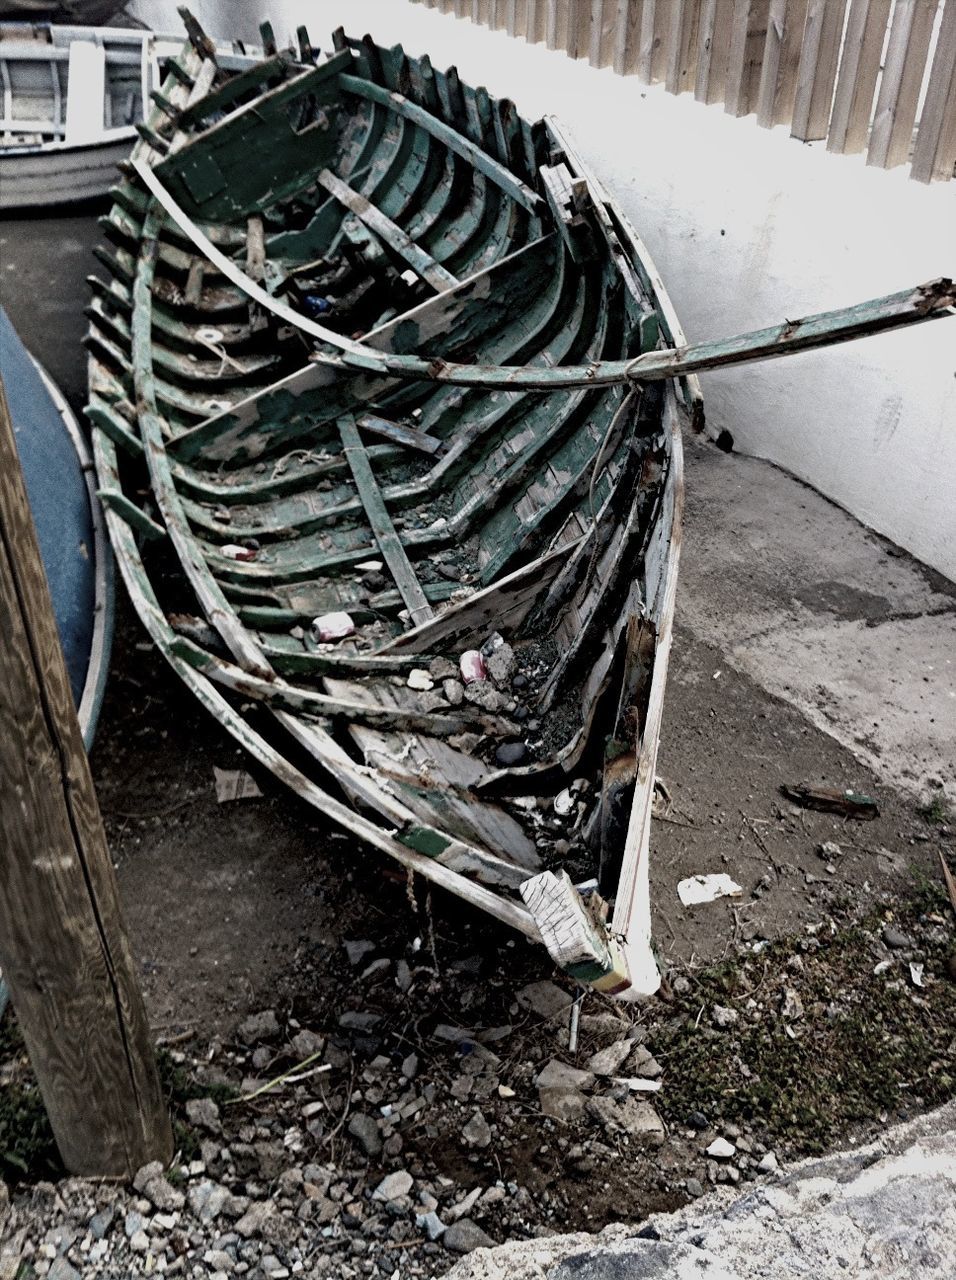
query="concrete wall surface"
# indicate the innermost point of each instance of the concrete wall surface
(747, 227)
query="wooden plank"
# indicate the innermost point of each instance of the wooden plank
(453, 140)
(859, 68)
(86, 90)
(716, 24)
(627, 36)
(397, 433)
(63, 946)
(778, 76)
(935, 152)
(386, 536)
(682, 54)
(747, 39)
(817, 71)
(903, 67)
(536, 21)
(393, 235)
(655, 29)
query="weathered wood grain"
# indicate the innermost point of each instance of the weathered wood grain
(63, 946)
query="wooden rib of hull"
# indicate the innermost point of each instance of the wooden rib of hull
(432, 220)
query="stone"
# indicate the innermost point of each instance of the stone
(204, 1113)
(791, 1007)
(155, 1169)
(139, 1242)
(769, 1163)
(61, 1269)
(357, 949)
(608, 1062)
(255, 1219)
(501, 665)
(306, 1044)
(896, 940)
(510, 754)
(420, 679)
(829, 851)
(207, 1200)
(431, 1224)
(454, 692)
(163, 1196)
(356, 1020)
(366, 1133)
(101, 1222)
(721, 1149)
(442, 669)
(482, 693)
(546, 999)
(464, 1236)
(393, 1186)
(259, 1026)
(476, 1132)
(637, 1119)
(723, 1017)
(695, 1188)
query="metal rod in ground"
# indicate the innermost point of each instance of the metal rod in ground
(63, 946)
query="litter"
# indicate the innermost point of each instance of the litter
(699, 889)
(332, 626)
(234, 784)
(849, 803)
(916, 974)
(472, 666)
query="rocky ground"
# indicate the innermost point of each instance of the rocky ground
(416, 1093)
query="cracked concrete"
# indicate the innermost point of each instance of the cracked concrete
(886, 1211)
(826, 615)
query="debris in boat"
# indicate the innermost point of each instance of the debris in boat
(472, 666)
(848, 803)
(232, 551)
(420, 679)
(916, 973)
(332, 626)
(234, 784)
(637, 1084)
(696, 890)
(510, 754)
(563, 803)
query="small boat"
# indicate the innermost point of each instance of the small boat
(405, 392)
(58, 472)
(72, 99)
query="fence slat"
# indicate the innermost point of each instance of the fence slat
(627, 36)
(682, 55)
(747, 39)
(934, 156)
(655, 27)
(535, 21)
(818, 68)
(603, 16)
(778, 86)
(716, 19)
(903, 68)
(859, 68)
(554, 24)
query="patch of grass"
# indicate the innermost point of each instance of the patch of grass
(866, 1045)
(935, 811)
(27, 1148)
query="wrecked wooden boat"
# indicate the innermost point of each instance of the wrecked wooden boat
(386, 410)
(72, 99)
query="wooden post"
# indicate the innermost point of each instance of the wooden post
(63, 947)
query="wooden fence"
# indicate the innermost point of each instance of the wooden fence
(866, 75)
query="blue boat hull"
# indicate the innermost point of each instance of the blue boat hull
(75, 553)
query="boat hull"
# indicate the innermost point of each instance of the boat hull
(444, 475)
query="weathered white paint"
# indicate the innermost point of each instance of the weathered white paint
(746, 226)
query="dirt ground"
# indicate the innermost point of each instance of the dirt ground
(245, 906)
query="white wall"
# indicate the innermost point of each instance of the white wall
(747, 227)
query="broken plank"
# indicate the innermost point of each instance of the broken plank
(398, 433)
(386, 536)
(392, 234)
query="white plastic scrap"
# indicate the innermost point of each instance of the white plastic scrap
(333, 626)
(698, 889)
(369, 566)
(563, 803)
(916, 973)
(637, 1084)
(234, 552)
